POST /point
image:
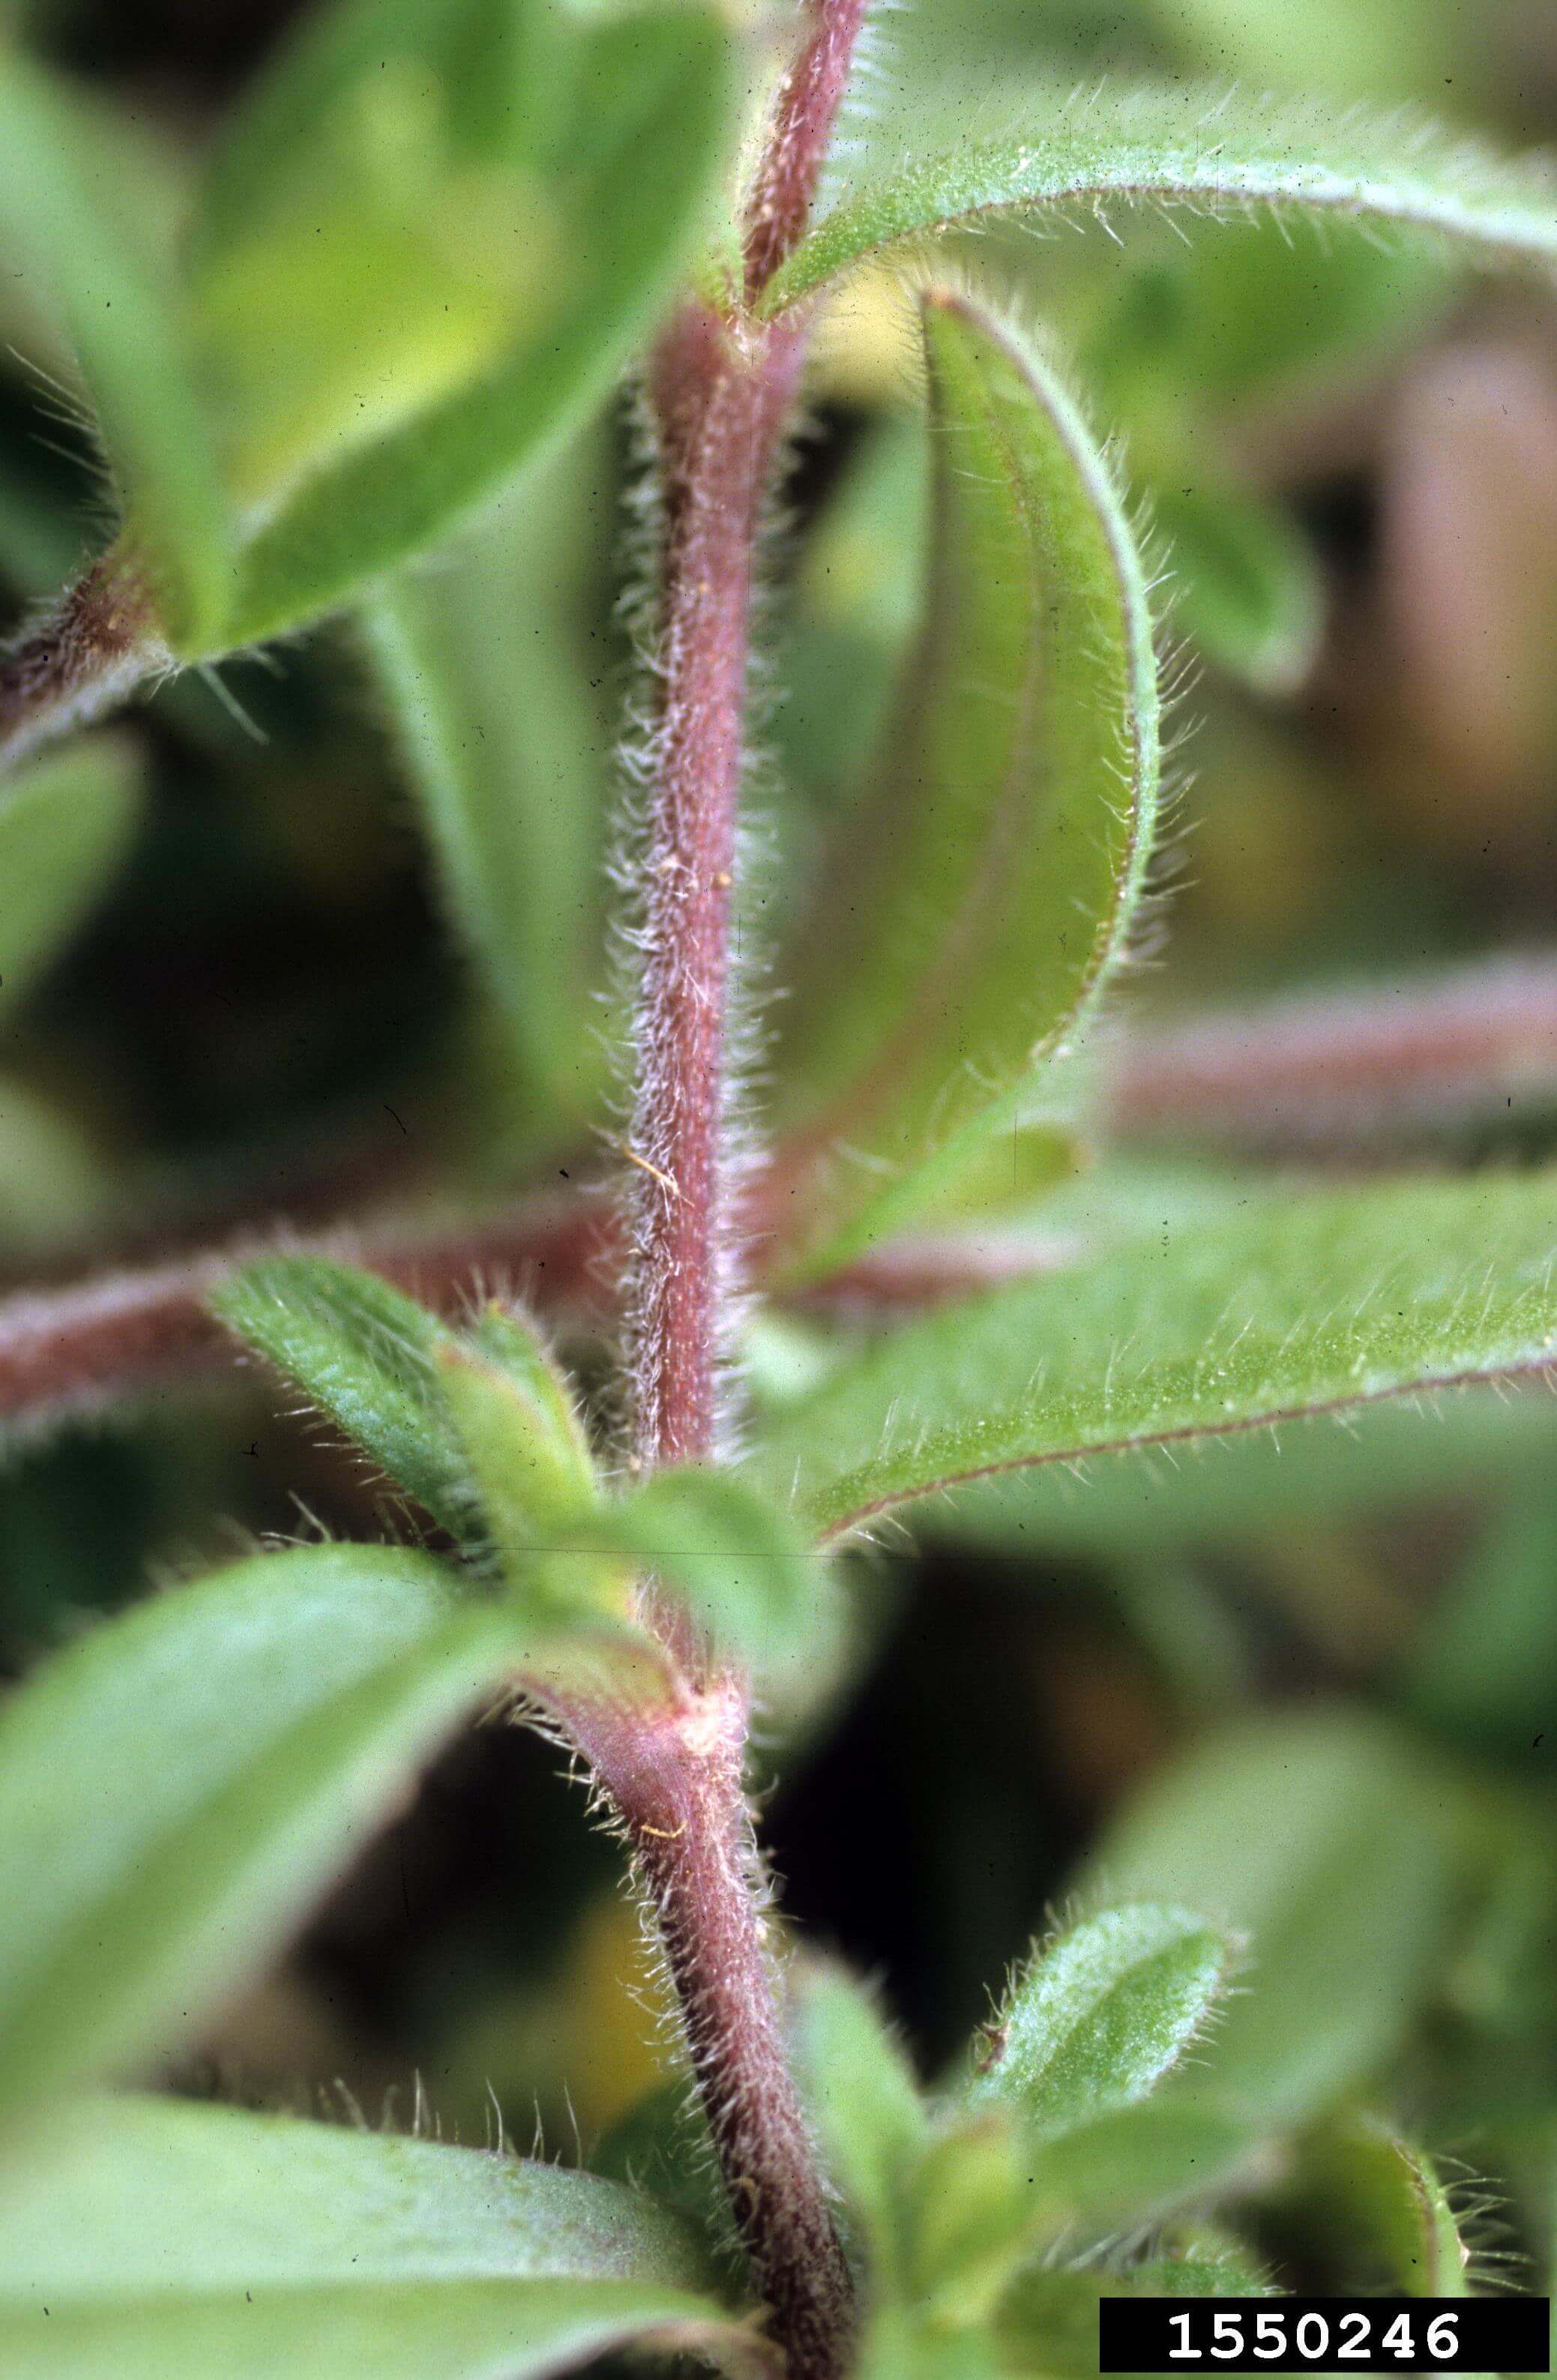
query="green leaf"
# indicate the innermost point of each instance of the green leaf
(1323, 1841)
(1283, 1306)
(366, 1355)
(1048, 2323)
(970, 2217)
(1380, 2205)
(66, 825)
(741, 1566)
(505, 752)
(182, 1782)
(1101, 2017)
(146, 2238)
(386, 458)
(524, 1442)
(1207, 150)
(1141, 2163)
(866, 2109)
(1006, 841)
(67, 219)
(1247, 586)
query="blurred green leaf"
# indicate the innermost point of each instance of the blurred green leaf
(969, 2216)
(991, 886)
(410, 430)
(866, 2107)
(739, 1562)
(1322, 1840)
(366, 1355)
(1099, 2018)
(181, 1783)
(65, 824)
(1177, 145)
(1247, 585)
(1048, 2321)
(147, 2237)
(68, 214)
(505, 745)
(1484, 1661)
(1284, 1304)
(1382, 2207)
(1141, 2164)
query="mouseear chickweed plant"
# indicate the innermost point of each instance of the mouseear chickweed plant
(436, 233)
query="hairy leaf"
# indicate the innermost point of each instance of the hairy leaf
(1141, 2164)
(1211, 153)
(1283, 1305)
(180, 1784)
(1099, 2018)
(1380, 2205)
(1016, 797)
(366, 1355)
(526, 1449)
(610, 206)
(1321, 1840)
(66, 823)
(147, 2237)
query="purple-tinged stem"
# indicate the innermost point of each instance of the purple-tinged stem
(96, 645)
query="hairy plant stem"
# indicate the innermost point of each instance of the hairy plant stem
(722, 388)
(96, 645)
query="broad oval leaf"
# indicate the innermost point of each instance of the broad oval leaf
(575, 245)
(66, 823)
(1006, 841)
(179, 1785)
(1101, 2017)
(1324, 1840)
(1283, 1306)
(147, 2237)
(68, 217)
(1194, 147)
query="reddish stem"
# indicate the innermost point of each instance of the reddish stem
(95, 647)
(722, 388)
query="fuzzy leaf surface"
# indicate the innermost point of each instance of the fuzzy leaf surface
(1383, 2207)
(1209, 151)
(1098, 2020)
(1281, 1306)
(221, 2245)
(1015, 798)
(182, 1781)
(367, 1356)
(67, 221)
(609, 204)
(1323, 1841)
(66, 823)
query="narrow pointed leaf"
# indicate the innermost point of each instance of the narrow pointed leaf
(1323, 1841)
(1207, 150)
(1282, 1306)
(146, 2237)
(1101, 2017)
(66, 823)
(608, 216)
(866, 2107)
(1380, 2205)
(504, 746)
(366, 1355)
(1016, 797)
(182, 1782)
(66, 220)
